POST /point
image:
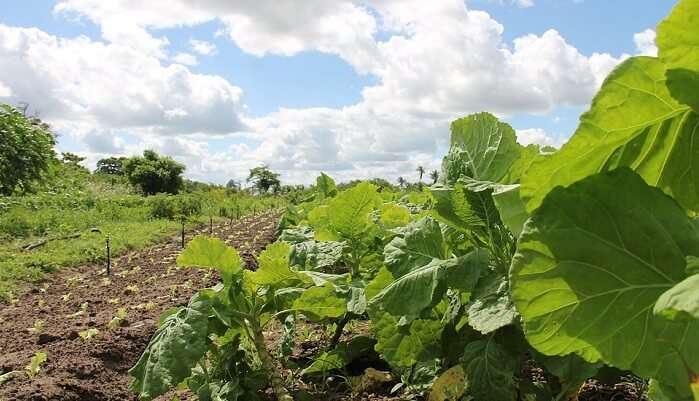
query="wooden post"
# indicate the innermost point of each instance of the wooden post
(109, 259)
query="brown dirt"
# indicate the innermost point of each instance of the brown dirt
(96, 369)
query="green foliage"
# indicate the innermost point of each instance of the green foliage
(321, 303)
(678, 50)
(341, 356)
(316, 255)
(74, 202)
(211, 253)
(488, 367)
(405, 345)
(571, 259)
(634, 121)
(111, 166)
(325, 186)
(35, 365)
(264, 179)
(26, 150)
(482, 148)
(173, 207)
(178, 344)
(581, 262)
(681, 301)
(153, 173)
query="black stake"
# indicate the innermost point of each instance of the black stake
(211, 226)
(109, 259)
(182, 233)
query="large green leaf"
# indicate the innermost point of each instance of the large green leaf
(491, 306)
(482, 148)
(424, 286)
(326, 186)
(393, 215)
(489, 371)
(678, 48)
(321, 302)
(382, 279)
(420, 242)
(297, 235)
(178, 344)
(634, 122)
(527, 155)
(680, 301)
(316, 255)
(213, 253)
(273, 268)
(453, 209)
(511, 207)
(661, 392)
(590, 264)
(348, 213)
(404, 346)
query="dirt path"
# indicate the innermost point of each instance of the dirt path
(70, 302)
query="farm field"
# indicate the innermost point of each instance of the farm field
(514, 271)
(67, 304)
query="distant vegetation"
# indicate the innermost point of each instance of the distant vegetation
(26, 150)
(54, 212)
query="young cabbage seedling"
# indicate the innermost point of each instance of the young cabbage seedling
(38, 327)
(132, 289)
(35, 365)
(118, 319)
(88, 334)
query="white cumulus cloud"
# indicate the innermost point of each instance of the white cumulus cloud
(202, 47)
(645, 43)
(432, 62)
(185, 59)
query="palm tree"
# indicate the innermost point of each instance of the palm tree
(402, 182)
(434, 175)
(420, 170)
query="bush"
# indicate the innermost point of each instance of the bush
(26, 150)
(154, 174)
(164, 206)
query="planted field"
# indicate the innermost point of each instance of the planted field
(93, 327)
(520, 273)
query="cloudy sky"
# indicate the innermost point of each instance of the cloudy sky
(357, 89)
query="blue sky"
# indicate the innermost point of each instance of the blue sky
(320, 74)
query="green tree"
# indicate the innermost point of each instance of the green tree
(264, 179)
(421, 171)
(434, 175)
(154, 174)
(72, 162)
(111, 166)
(402, 182)
(26, 150)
